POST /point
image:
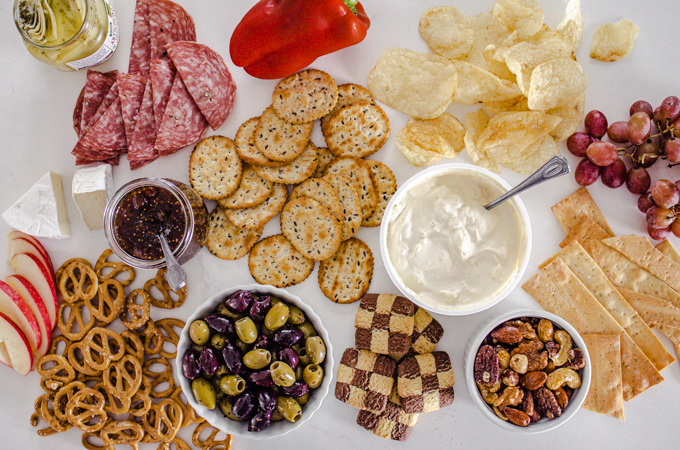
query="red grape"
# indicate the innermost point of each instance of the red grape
(618, 132)
(646, 154)
(658, 217)
(669, 110)
(658, 234)
(602, 153)
(675, 228)
(645, 202)
(614, 175)
(578, 143)
(586, 172)
(665, 193)
(672, 150)
(676, 127)
(638, 180)
(639, 128)
(643, 106)
(596, 124)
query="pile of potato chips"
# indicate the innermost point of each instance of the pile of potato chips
(523, 73)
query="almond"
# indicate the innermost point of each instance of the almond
(533, 380)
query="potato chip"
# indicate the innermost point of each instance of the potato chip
(543, 46)
(418, 84)
(519, 103)
(447, 31)
(571, 113)
(477, 85)
(442, 135)
(525, 16)
(488, 29)
(496, 67)
(554, 83)
(475, 123)
(613, 41)
(571, 27)
(414, 154)
(518, 129)
(534, 156)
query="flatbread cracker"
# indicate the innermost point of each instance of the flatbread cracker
(346, 276)
(350, 203)
(585, 229)
(667, 249)
(605, 393)
(279, 140)
(358, 172)
(275, 261)
(225, 240)
(312, 229)
(258, 216)
(577, 205)
(214, 167)
(295, 171)
(386, 184)
(560, 292)
(252, 190)
(653, 310)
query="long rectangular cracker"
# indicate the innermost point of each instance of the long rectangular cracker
(570, 210)
(559, 291)
(585, 229)
(593, 278)
(605, 393)
(667, 249)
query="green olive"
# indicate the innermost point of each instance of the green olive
(289, 408)
(304, 358)
(302, 401)
(245, 348)
(277, 316)
(221, 371)
(197, 347)
(307, 329)
(232, 384)
(316, 349)
(274, 300)
(296, 316)
(204, 393)
(222, 309)
(246, 330)
(282, 374)
(257, 359)
(199, 332)
(225, 406)
(218, 340)
(276, 416)
(299, 373)
(313, 375)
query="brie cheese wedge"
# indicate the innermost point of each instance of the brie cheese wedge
(91, 189)
(41, 211)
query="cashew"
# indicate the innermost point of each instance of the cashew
(545, 330)
(519, 363)
(563, 376)
(566, 344)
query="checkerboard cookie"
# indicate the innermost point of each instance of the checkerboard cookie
(393, 423)
(365, 380)
(426, 331)
(425, 382)
(384, 324)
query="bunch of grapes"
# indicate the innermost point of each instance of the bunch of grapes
(661, 208)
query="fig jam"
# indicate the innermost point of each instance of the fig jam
(142, 215)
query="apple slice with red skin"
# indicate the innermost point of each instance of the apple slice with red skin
(15, 350)
(15, 307)
(36, 243)
(23, 245)
(22, 286)
(42, 279)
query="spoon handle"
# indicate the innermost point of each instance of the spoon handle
(555, 167)
(175, 274)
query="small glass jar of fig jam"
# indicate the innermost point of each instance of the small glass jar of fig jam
(146, 207)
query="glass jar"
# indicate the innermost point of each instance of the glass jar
(183, 217)
(68, 34)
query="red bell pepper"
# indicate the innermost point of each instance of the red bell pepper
(277, 38)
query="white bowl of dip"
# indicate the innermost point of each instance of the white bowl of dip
(444, 251)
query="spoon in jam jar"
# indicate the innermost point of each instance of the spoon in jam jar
(555, 167)
(175, 274)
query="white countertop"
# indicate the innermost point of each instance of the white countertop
(37, 136)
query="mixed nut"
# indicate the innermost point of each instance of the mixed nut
(527, 368)
(256, 357)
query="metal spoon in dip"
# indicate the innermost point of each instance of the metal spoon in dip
(175, 274)
(555, 167)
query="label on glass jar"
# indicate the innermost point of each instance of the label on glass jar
(107, 48)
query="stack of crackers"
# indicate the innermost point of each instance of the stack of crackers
(613, 290)
(335, 189)
(394, 373)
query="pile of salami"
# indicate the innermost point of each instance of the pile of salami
(173, 90)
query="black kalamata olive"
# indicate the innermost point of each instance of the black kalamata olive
(244, 406)
(190, 367)
(262, 378)
(208, 362)
(262, 341)
(267, 399)
(289, 356)
(233, 358)
(298, 389)
(260, 421)
(220, 323)
(259, 307)
(288, 336)
(239, 301)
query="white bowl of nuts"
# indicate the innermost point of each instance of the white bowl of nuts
(527, 370)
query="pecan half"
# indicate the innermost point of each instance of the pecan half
(576, 359)
(546, 403)
(487, 369)
(516, 416)
(528, 404)
(508, 335)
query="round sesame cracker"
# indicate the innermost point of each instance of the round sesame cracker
(358, 172)
(305, 96)
(252, 191)
(275, 261)
(350, 202)
(360, 130)
(295, 171)
(312, 229)
(386, 185)
(348, 94)
(279, 140)
(246, 148)
(257, 216)
(225, 240)
(214, 167)
(321, 191)
(325, 156)
(346, 276)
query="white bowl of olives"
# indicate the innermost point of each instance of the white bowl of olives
(255, 361)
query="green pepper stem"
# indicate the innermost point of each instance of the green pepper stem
(351, 5)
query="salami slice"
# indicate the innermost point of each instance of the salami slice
(207, 79)
(162, 74)
(78, 111)
(168, 22)
(111, 97)
(140, 52)
(108, 133)
(113, 161)
(144, 136)
(182, 124)
(131, 90)
(97, 86)
(84, 153)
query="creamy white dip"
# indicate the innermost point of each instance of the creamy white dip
(448, 250)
